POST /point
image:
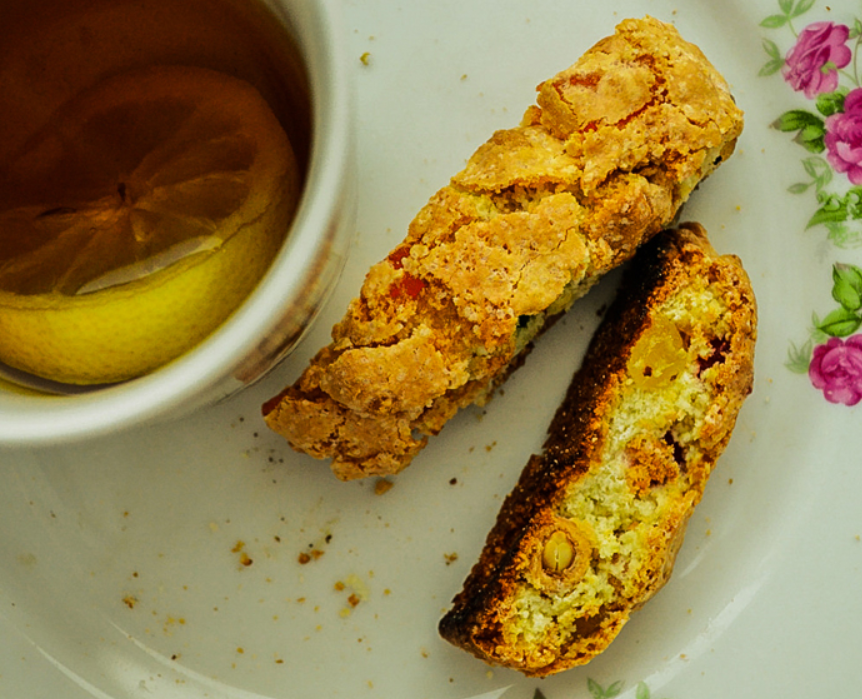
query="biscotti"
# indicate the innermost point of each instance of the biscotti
(594, 524)
(613, 148)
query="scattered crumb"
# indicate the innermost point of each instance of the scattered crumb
(244, 559)
(358, 592)
(490, 446)
(383, 485)
(450, 558)
(308, 556)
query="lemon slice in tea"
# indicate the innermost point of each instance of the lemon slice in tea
(136, 220)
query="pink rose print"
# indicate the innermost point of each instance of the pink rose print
(811, 65)
(836, 369)
(843, 138)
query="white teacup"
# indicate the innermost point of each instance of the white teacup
(272, 319)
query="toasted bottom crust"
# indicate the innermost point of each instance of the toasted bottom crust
(592, 529)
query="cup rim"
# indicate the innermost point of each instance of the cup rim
(29, 420)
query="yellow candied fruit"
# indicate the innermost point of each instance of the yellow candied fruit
(658, 357)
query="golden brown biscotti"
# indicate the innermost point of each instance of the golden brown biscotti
(594, 524)
(540, 212)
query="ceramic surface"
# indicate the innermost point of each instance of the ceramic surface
(203, 558)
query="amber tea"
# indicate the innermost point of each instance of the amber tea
(151, 160)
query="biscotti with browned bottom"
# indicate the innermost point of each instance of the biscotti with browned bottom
(592, 529)
(541, 211)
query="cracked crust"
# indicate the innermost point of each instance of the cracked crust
(612, 149)
(626, 460)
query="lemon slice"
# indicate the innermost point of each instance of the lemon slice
(137, 220)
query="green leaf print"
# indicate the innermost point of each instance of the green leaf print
(830, 103)
(840, 323)
(799, 358)
(599, 692)
(847, 286)
(810, 127)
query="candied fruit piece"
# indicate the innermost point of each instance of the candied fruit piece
(658, 357)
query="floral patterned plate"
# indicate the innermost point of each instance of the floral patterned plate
(202, 558)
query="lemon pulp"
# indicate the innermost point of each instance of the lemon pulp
(137, 220)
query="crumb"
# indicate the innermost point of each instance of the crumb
(308, 556)
(130, 600)
(339, 586)
(353, 600)
(490, 446)
(383, 485)
(450, 558)
(453, 481)
(245, 560)
(365, 58)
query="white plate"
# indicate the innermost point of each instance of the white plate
(121, 569)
